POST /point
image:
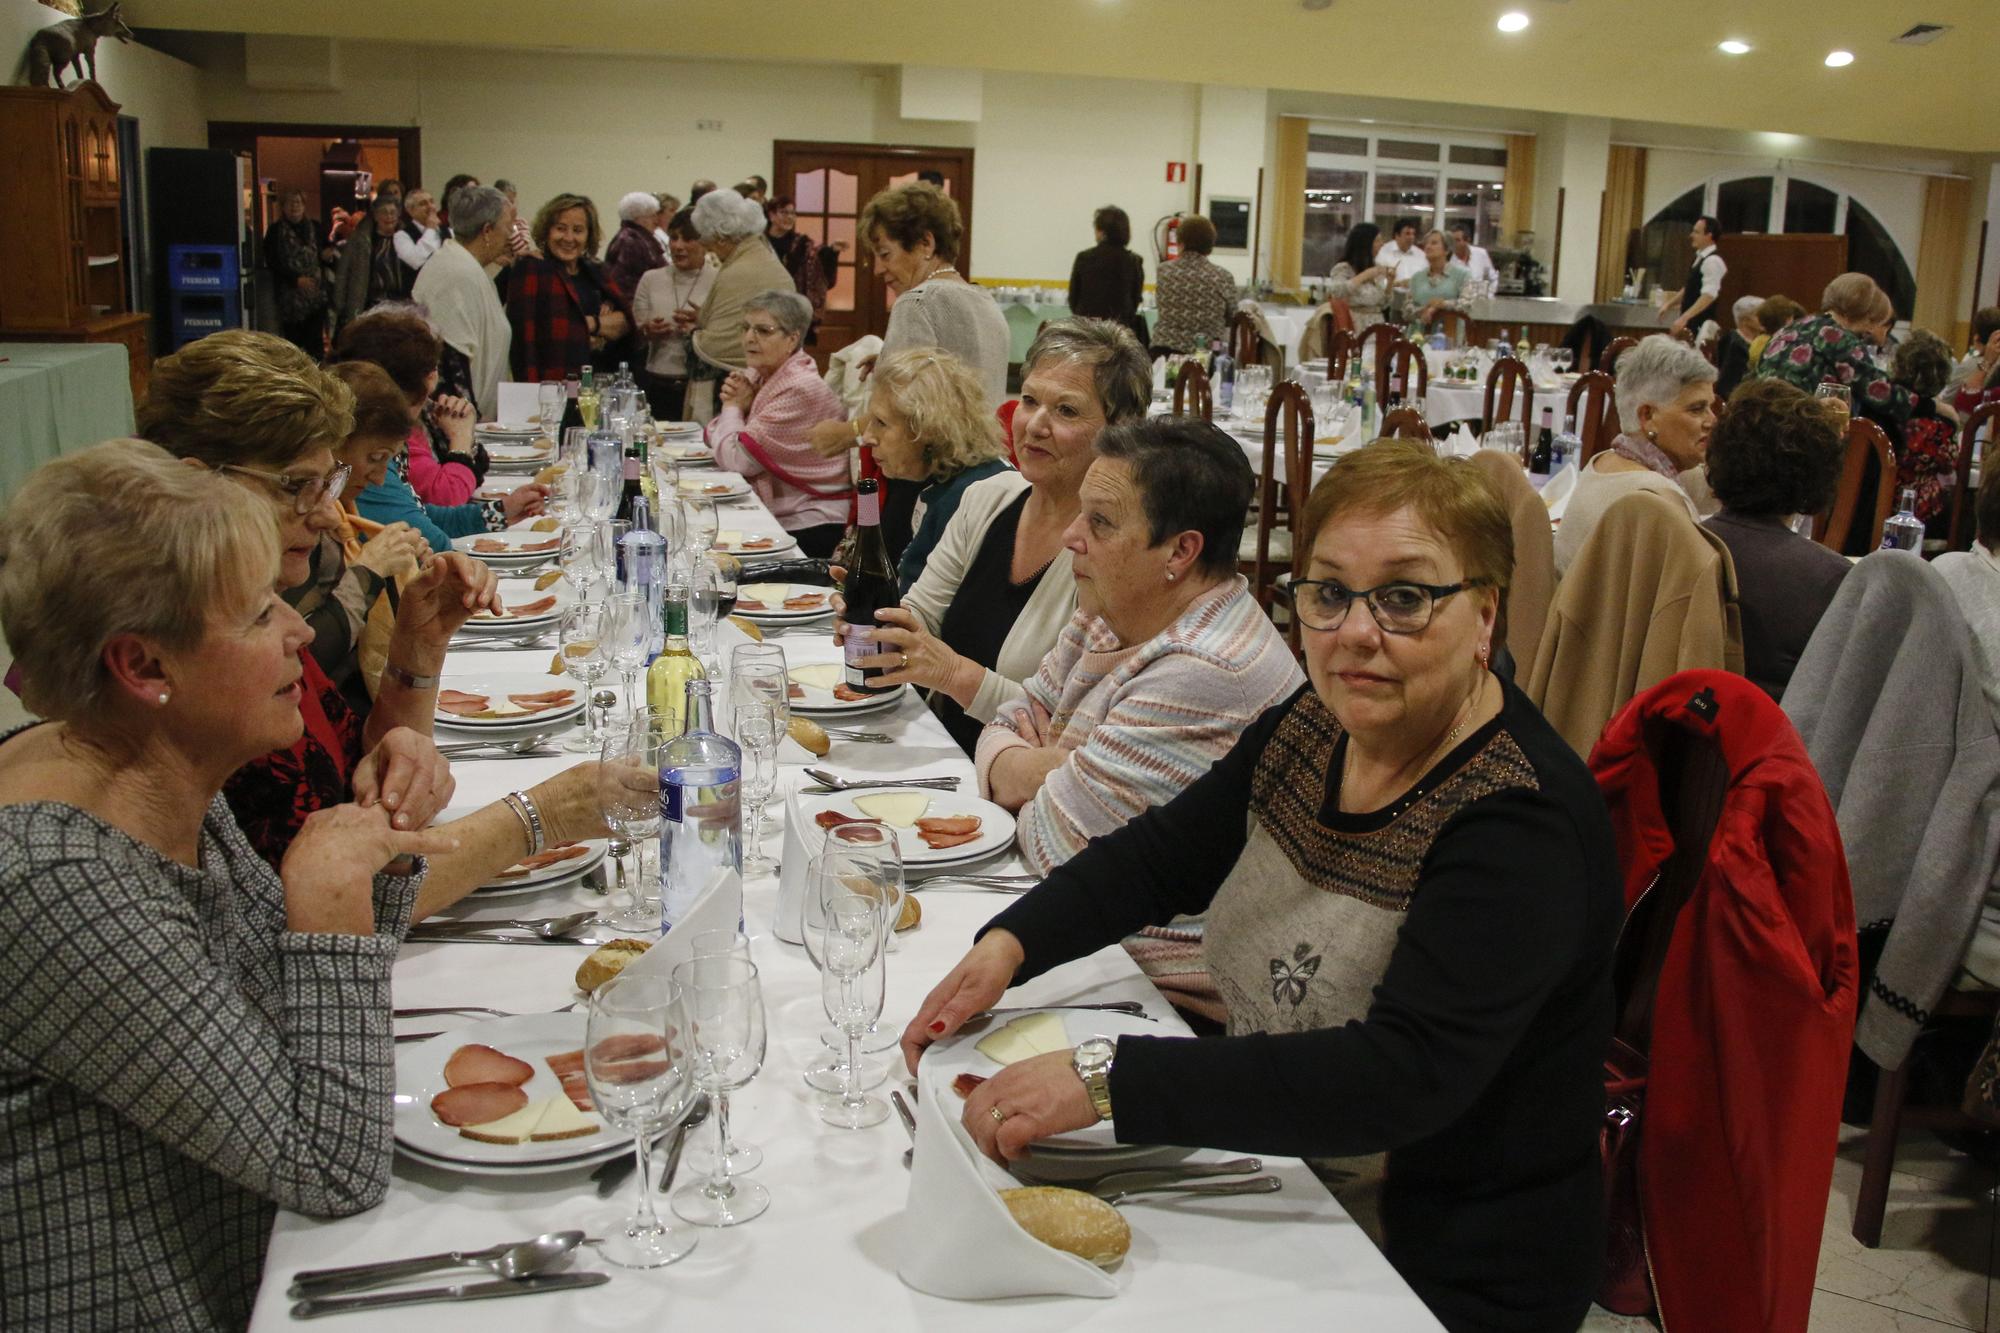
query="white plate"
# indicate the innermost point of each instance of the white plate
(549, 877)
(776, 616)
(521, 592)
(780, 543)
(996, 832)
(620, 1144)
(529, 1037)
(819, 700)
(511, 430)
(703, 486)
(514, 541)
(498, 685)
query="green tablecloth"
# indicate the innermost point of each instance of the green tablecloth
(56, 398)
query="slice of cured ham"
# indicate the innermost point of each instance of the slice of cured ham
(794, 690)
(950, 824)
(488, 546)
(460, 697)
(848, 694)
(759, 544)
(533, 608)
(477, 706)
(937, 842)
(528, 865)
(965, 1083)
(482, 1064)
(833, 819)
(750, 604)
(548, 545)
(564, 1063)
(478, 1103)
(805, 601)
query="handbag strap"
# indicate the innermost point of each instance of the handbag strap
(744, 438)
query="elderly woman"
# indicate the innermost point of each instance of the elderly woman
(1412, 895)
(1732, 352)
(665, 309)
(370, 270)
(1666, 407)
(459, 297)
(1838, 344)
(733, 230)
(927, 424)
(997, 590)
(291, 252)
(216, 1044)
(798, 252)
(1773, 313)
(1358, 280)
(562, 305)
(1195, 295)
(768, 410)
(634, 251)
(418, 238)
(1775, 454)
(1927, 444)
(1440, 284)
(1108, 281)
(1167, 659)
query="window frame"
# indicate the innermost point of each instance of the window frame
(1371, 165)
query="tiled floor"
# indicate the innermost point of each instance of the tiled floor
(1935, 1268)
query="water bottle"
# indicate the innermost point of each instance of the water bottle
(642, 555)
(1223, 372)
(701, 809)
(1438, 341)
(1903, 530)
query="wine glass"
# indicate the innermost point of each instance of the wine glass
(851, 989)
(844, 865)
(577, 558)
(714, 943)
(700, 525)
(628, 796)
(724, 1004)
(549, 402)
(1838, 398)
(629, 631)
(706, 584)
(743, 1157)
(757, 733)
(582, 638)
(640, 1071)
(879, 840)
(759, 679)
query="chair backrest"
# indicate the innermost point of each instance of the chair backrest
(1340, 344)
(1524, 610)
(1597, 424)
(1244, 343)
(1866, 442)
(1393, 369)
(1381, 335)
(1406, 423)
(1684, 336)
(1963, 528)
(1191, 392)
(1285, 478)
(1617, 347)
(1510, 393)
(1457, 326)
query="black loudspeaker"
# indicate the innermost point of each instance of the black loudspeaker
(192, 198)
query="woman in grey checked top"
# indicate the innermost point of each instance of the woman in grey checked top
(188, 1038)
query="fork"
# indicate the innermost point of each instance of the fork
(865, 737)
(1255, 1185)
(832, 783)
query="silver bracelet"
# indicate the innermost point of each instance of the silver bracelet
(524, 809)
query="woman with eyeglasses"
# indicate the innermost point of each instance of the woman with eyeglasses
(1412, 897)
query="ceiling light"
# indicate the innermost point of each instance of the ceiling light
(1837, 59)
(1513, 22)
(1735, 48)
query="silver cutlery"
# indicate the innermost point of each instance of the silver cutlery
(548, 927)
(832, 783)
(525, 745)
(610, 1175)
(699, 1114)
(1213, 1189)
(433, 1011)
(862, 737)
(507, 1261)
(909, 1120)
(1129, 1007)
(1114, 1182)
(464, 1291)
(420, 935)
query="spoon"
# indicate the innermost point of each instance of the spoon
(526, 745)
(832, 783)
(549, 928)
(503, 1261)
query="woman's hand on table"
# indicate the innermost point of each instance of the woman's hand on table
(912, 655)
(396, 552)
(832, 439)
(455, 417)
(1035, 1098)
(524, 501)
(329, 870)
(980, 978)
(451, 588)
(737, 391)
(405, 775)
(569, 806)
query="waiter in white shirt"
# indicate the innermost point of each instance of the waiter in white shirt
(1472, 258)
(1704, 279)
(1404, 252)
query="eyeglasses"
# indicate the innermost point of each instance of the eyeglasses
(763, 330)
(307, 493)
(1398, 608)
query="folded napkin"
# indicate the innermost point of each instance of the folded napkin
(1558, 490)
(959, 1241)
(518, 402)
(1461, 443)
(720, 907)
(789, 923)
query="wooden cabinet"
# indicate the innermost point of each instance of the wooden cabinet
(61, 230)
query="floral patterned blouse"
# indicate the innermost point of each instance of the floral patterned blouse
(1809, 351)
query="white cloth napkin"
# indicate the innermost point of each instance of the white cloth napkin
(959, 1241)
(1561, 486)
(1461, 443)
(789, 923)
(720, 907)
(518, 402)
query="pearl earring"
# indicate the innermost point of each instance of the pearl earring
(163, 697)
(1171, 576)
(1484, 652)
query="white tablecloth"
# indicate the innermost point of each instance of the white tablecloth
(824, 1256)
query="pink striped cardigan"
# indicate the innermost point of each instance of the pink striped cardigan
(786, 408)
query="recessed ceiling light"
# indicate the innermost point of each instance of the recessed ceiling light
(1513, 22)
(1735, 48)
(1836, 59)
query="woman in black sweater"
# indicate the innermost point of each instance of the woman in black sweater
(1108, 281)
(1412, 898)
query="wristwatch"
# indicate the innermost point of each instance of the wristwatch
(1092, 1061)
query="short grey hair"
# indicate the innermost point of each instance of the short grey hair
(1657, 371)
(1745, 307)
(793, 312)
(1122, 373)
(724, 215)
(636, 205)
(474, 208)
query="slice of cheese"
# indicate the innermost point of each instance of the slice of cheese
(819, 675)
(1025, 1037)
(561, 1120)
(513, 1128)
(772, 595)
(900, 808)
(728, 537)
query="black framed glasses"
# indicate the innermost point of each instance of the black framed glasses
(307, 493)
(1398, 608)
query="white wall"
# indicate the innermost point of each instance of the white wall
(1232, 125)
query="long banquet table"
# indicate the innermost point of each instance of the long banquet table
(825, 1255)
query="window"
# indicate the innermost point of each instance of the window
(1398, 196)
(1407, 150)
(1336, 143)
(1871, 250)
(1354, 176)
(1472, 156)
(1809, 208)
(1744, 205)
(1333, 206)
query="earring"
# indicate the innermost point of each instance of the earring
(1484, 652)
(163, 698)
(1171, 576)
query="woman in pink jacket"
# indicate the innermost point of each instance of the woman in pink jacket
(768, 411)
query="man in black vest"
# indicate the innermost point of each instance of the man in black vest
(1704, 279)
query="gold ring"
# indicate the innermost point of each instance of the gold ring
(999, 1116)
(904, 664)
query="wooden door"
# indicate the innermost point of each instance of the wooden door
(831, 183)
(1799, 266)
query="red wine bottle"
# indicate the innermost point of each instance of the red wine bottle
(870, 587)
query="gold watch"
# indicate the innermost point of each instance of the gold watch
(1092, 1061)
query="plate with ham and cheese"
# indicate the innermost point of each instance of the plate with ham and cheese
(485, 701)
(502, 1095)
(821, 687)
(524, 604)
(933, 828)
(511, 547)
(783, 603)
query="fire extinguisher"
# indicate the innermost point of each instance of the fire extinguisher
(1167, 238)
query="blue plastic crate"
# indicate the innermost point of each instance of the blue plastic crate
(202, 268)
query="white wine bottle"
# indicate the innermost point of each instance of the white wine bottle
(667, 678)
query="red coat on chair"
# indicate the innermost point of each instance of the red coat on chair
(1754, 1014)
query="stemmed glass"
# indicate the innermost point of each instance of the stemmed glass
(640, 1071)
(628, 796)
(577, 558)
(759, 677)
(706, 590)
(582, 639)
(549, 401)
(700, 525)
(757, 734)
(849, 933)
(879, 840)
(724, 1004)
(846, 865)
(630, 633)
(1838, 398)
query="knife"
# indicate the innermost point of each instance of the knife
(419, 936)
(462, 1291)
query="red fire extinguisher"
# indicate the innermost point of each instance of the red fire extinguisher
(1167, 238)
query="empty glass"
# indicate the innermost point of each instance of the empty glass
(757, 733)
(640, 1073)
(850, 930)
(700, 525)
(549, 403)
(577, 557)
(629, 631)
(628, 796)
(724, 1005)
(583, 658)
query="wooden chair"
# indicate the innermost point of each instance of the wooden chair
(1457, 326)
(1282, 485)
(1617, 347)
(1382, 336)
(1597, 425)
(1245, 344)
(1339, 350)
(1962, 530)
(1191, 392)
(1508, 380)
(1865, 441)
(1392, 371)
(1406, 423)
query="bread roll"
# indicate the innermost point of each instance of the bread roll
(810, 735)
(1072, 1221)
(749, 627)
(545, 525)
(547, 476)
(548, 580)
(607, 961)
(912, 912)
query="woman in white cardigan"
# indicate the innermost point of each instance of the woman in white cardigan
(998, 589)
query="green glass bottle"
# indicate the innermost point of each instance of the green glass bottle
(667, 678)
